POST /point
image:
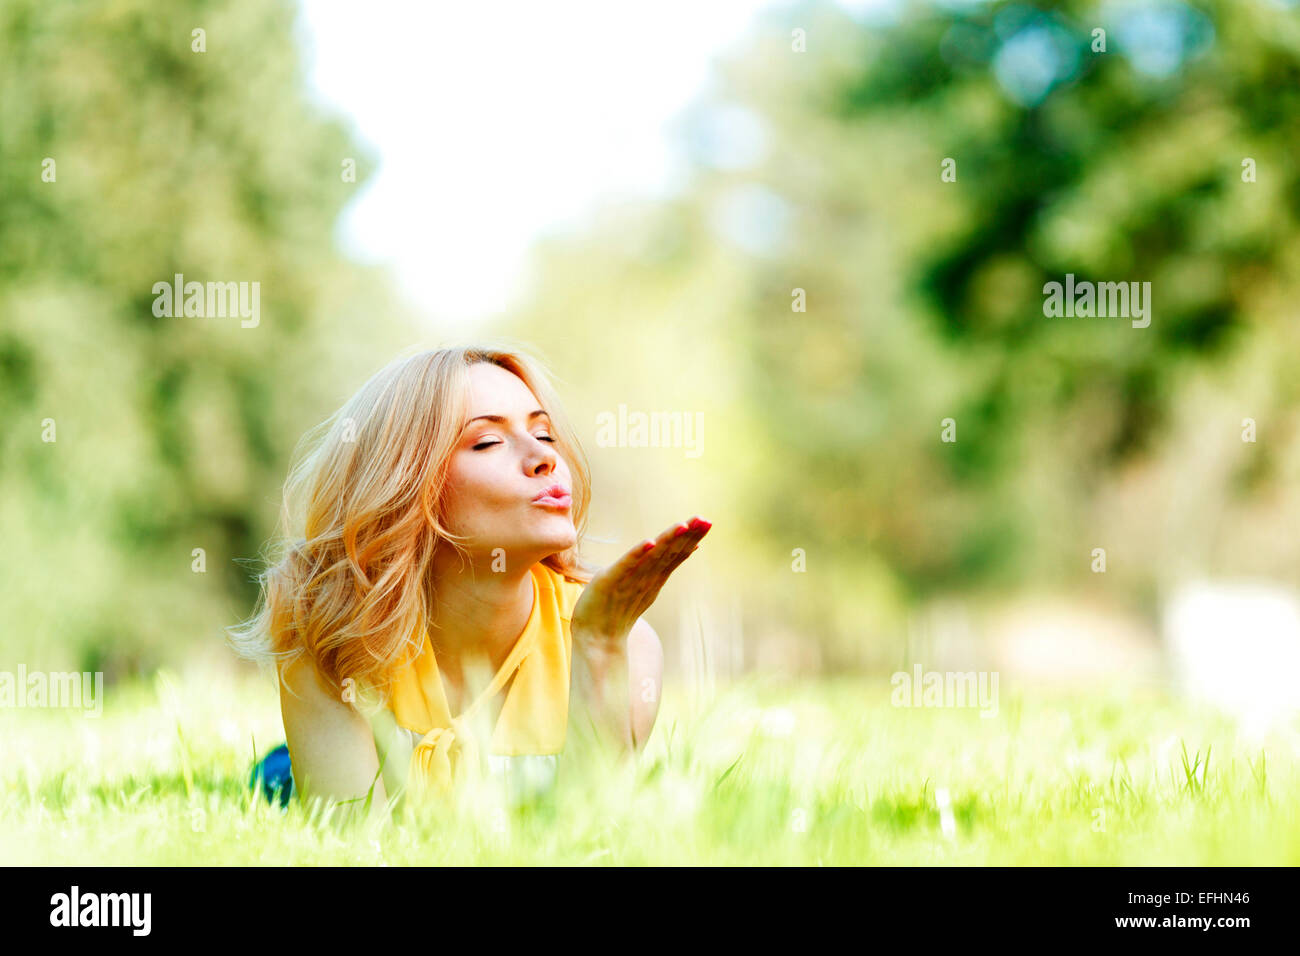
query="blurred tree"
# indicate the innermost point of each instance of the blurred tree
(819, 176)
(133, 149)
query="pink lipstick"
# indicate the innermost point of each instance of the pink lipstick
(556, 496)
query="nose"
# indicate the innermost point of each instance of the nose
(543, 459)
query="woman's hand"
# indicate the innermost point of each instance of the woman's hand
(618, 595)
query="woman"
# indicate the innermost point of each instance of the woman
(437, 575)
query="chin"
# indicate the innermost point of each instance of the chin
(562, 542)
(543, 538)
(536, 547)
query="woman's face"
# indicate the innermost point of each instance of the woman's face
(506, 458)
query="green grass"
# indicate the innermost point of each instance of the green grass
(813, 773)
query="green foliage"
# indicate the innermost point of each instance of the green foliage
(825, 774)
(170, 434)
(925, 298)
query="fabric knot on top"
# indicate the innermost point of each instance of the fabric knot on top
(534, 714)
(439, 759)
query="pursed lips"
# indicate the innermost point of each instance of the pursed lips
(554, 496)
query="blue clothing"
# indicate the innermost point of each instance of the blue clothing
(276, 772)
(530, 776)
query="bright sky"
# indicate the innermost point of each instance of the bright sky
(498, 122)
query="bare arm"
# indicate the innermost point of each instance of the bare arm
(617, 684)
(617, 658)
(646, 674)
(331, 745)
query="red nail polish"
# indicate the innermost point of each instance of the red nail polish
(648, 546)
(680, 530)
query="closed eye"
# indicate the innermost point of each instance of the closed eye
(489, 444)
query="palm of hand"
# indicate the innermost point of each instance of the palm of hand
(620, 593)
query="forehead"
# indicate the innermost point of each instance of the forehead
(496, 391)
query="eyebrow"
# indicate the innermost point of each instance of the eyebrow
(501, 419)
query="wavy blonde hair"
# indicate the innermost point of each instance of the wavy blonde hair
(367, 492)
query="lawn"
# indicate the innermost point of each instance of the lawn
(765, 773)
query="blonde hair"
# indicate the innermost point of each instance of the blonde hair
(350, 590)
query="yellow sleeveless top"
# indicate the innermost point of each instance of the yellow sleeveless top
(534, 715)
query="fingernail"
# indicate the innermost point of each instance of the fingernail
(649, 545)
(680, 530)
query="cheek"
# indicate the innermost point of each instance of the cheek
(474, 494)
(563, 472)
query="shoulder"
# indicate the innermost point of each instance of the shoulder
(312, 703)
(303, 679)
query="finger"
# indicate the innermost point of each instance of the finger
(700, 526)
(686, 540)
(656, 568)
(624, 580)
(646, 559)
(686, 553)
(670, 534)
(633, 556)
(696, 528)
(605, 593)
(670, 543)
(647, 566)
(673, 561)
(671, 548)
